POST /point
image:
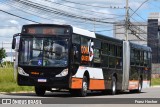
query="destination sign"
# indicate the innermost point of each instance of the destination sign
(46, 30)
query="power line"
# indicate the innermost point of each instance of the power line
(127, 19)
(38, 11)
(92, 5)
(138, 8)
(18, 16)
(109, 29)
(17, 8)
(60, 12)
(28, 8)
(137, 14)
(15, 5)
(80, 9)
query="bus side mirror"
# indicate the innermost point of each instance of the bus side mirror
(13, 43)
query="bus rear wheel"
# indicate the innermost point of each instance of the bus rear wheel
(139, 87)
(113, 86)
(40, 91)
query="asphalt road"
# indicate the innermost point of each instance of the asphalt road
(153, 92)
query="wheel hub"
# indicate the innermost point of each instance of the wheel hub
(114, 87)
(85, 86)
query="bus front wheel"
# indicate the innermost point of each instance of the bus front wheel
(40, 91)
(83, 92)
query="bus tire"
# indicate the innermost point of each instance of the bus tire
(139, 87)
(83, 91)
(113, 86)
(40, 91)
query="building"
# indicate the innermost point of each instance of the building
(144, 33)
(137, 32)
(154, 36)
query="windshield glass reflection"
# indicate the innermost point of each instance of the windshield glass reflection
(44, 52)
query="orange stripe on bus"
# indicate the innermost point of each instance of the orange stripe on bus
(96, 84)
(76, 83)
(133, 84)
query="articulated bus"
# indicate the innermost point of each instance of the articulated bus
(50, 56)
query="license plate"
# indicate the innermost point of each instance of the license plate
(42, 80)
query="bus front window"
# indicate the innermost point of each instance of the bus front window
(51, 52)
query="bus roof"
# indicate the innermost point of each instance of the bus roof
(140, 47)
(83, 32)
(107, 38)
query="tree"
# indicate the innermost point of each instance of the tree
(3, 54)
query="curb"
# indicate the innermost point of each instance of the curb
(156, 86)
(16, 92)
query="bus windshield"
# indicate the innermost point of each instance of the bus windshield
(48, 51)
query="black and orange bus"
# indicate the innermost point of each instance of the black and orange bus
(50, 56)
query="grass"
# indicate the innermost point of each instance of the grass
(155, 81)
(7, 82)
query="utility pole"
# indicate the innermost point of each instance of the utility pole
(127, 20)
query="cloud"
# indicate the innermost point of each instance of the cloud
(84, 11)
(4, 7)
(14, 22)
(7, 33)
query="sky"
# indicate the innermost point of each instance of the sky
(93, 15)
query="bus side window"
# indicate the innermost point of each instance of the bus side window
(149, 55)
(112, 60)
(118, 57)
(119, 51)
(112, 50)
(141, 58)
(85, 51)
(76, 53)
(97, 53)
(132, 57)
(105, 48)
(97, 58)
(137, 57)
(76, 48)
(145, 58)
(104, 56)
(148, 59)
(75, 39)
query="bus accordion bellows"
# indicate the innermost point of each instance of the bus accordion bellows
(65, 57)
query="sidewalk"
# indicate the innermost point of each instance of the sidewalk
(155, 86)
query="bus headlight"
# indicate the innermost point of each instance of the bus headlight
(22, 72)
(63, 73)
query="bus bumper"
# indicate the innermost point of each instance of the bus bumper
(51, 82)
